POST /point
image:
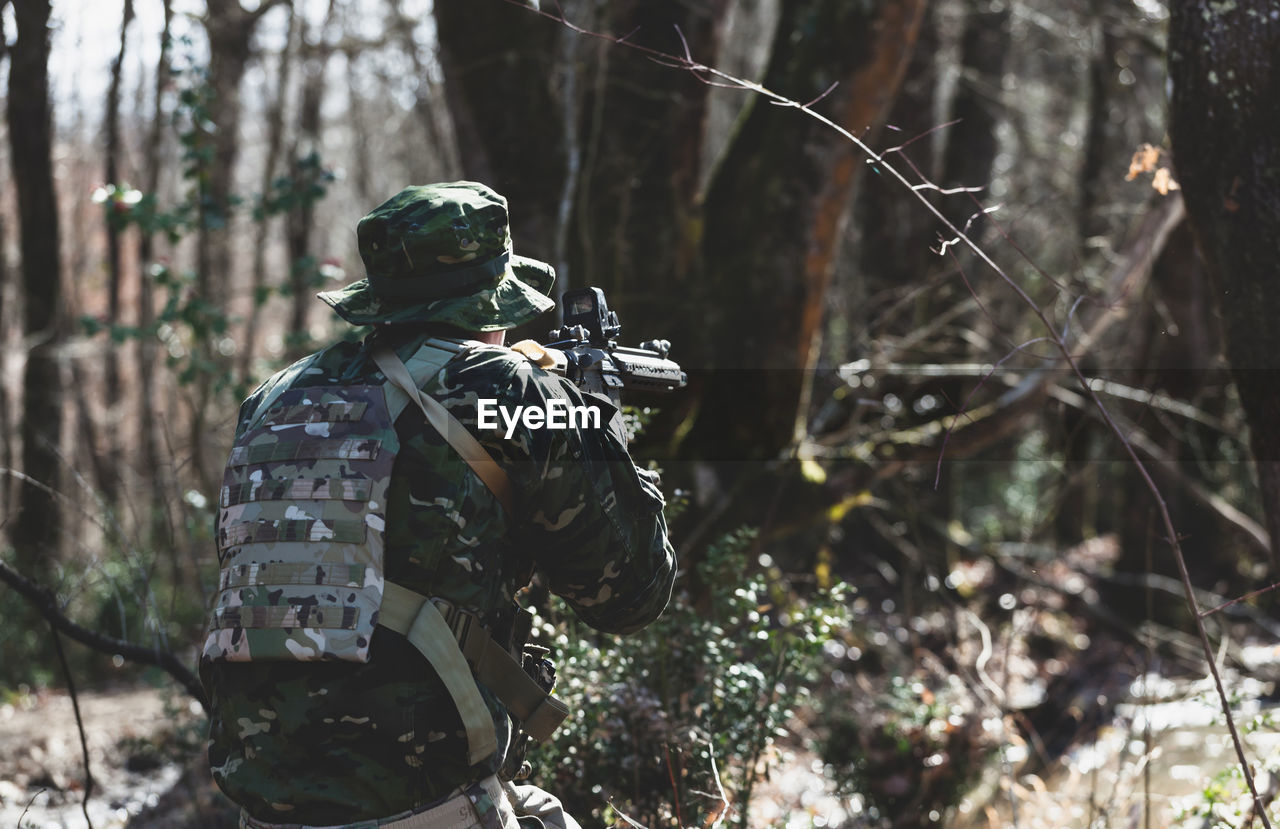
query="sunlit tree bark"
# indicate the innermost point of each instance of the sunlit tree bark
(774, 213)
(1225, 113)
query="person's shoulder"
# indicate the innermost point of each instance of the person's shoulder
(317, 368)
(502, 366)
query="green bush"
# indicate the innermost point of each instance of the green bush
(671, 723)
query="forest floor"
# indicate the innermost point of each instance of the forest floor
(42, 766)
(1159, 756)
(135, 784)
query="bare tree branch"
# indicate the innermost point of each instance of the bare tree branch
(43, 600)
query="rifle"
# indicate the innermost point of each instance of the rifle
(585, 350)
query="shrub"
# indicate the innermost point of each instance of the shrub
(672, 724)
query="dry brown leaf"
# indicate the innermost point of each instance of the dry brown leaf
(1163, 181)
(1144, 161)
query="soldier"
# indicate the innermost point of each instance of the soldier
(364, 655)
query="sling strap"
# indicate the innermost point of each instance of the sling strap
(457, 435)
(416, 618)
(454, 641)
(479, 653)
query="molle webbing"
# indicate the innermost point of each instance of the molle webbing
(300, 528)
(296, 490)
(352, 449)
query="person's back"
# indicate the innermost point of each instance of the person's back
(309, 741)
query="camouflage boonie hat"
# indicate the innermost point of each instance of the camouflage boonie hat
(442, 253)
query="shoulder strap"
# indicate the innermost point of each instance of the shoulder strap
(457, 646)
(426, 362)
(457, 435)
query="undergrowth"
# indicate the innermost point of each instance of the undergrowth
(675, 725)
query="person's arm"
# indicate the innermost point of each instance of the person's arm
(592, 521)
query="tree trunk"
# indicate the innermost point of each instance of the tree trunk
(230, 30)
(976, 108)
(1096, 156)
(1224, 114)
(635, 223)
(258, 289)
(35, 529)
(774, 213)
(428, 101)
(895, 235)
(362, 165)
(161, 524)
(498, 59)
(6, 434)
(111, 356)
(1076, 516)
(308, 186)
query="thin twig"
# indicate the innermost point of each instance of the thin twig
(75, 706)
(715, 775)
(630, 821)
(1239, 599)
(942, 450)
(924, 134)
(964, 277)
(675, 790)
(23, 816)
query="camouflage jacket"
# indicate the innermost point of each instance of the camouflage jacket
(335, 742)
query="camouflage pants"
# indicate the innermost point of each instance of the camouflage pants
(484, 805)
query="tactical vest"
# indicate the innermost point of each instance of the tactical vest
(301, 537)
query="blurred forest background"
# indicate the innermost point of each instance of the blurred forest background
(922, 575)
